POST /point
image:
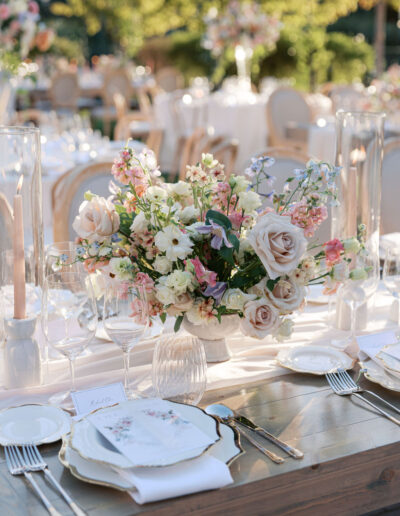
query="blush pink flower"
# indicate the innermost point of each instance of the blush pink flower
(202, 274)
(33, 7)
(142, 279)
(236, 218)
(333, 250)
(4, 12)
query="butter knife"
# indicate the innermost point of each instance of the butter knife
(244, 421)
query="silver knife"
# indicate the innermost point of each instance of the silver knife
(244, 421)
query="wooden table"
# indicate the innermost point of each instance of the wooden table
(351, 464)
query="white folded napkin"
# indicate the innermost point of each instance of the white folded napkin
(191, 476)
(370, 345)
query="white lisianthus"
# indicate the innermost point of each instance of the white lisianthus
(181, 189)
(285, 330)
(174, 243)
(156, 194)
(359, 274)
(179, 281)
(234, 299)
(351, 245)
(162, 265)
(340, 271)
(249, 201)
(121, 267)
(139, 224)
(165, 295)
(238, 184)
(188, 214)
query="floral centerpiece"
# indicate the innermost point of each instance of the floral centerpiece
(206, 248)
(384, 93)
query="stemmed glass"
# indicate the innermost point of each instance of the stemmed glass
(391, 275)
(126, 320)
(355, 292)
(69, 319)
(62, 256)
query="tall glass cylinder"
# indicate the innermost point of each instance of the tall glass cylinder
(20, 164)
(359, 150)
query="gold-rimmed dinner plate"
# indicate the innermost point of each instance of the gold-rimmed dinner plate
(227, 449)
(377, 374)
(34, 424)
(317, 360)
(92, 445)
(391, 364)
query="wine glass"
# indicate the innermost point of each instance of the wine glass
(360, 286)
(62, 256)
(69, 319)
(126, 320)
(391, 275)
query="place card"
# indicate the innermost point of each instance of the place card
(87, 400)
(149, 430)
(371, 345)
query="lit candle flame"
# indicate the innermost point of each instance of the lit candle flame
(19, 185)
(358, 155)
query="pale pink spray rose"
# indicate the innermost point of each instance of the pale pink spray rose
(97, 220)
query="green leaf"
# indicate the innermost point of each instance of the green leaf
(227, 254)
(219, 218)
(271, 284)
(233, 239)
(163, 317)
(178, 323)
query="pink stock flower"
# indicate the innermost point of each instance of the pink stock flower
(236, 219)
(33, 7)
(4, 12)
(203, 275)
(142, 279)
(333, 250)
(307, 218)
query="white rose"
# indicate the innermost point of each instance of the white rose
(156, 194)
(249, 201)
(188, 214)
(179, 281)
(181, 189)
(278, 243)
(234, 299)
(340, 271)
(121, 268)
(260, 318)
(162, 265)
(97, 220)
(165, 295)
(139, 224)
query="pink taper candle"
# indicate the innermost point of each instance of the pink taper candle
(19, 256)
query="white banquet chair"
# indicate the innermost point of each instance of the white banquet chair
(390, 206)
(68, 193)
(287, 105)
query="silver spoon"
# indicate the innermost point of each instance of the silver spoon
(213, 410)
(224, 412)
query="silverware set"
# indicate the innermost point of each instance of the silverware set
(240, 423)
(343, 384)
(23, 460)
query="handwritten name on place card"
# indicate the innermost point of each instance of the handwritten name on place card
(98, 397)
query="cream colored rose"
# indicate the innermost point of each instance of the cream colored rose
(183, 303)
(234, 299)
(260, 318)
(287, 295)
(278, 243)
(179, 281)
(97, 220)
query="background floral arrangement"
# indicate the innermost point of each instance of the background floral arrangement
(240, 24)
(384, 93)
(20, 32)
(206, 248)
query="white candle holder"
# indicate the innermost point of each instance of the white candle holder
(22, 364)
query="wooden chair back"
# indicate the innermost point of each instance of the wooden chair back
(154, 141)
(226, 153)
(169, 79)
(116, 81)
(189, 150)
(64, 91)
(68, 191)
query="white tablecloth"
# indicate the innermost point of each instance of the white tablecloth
(252, 360)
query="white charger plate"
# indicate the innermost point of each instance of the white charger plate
(227, 449)
(33, 424)
(377, 374)
(391, 364)
(91, 445)
(317, 360)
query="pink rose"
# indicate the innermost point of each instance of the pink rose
(260, 318)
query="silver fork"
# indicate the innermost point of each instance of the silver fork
(347, 379)
(35, 462)
(341, 389)
(16, 466)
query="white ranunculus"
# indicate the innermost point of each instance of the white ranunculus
(249, 201)
(278, 243)
(179, 281)
(162, 264)
(97, 220)
(156, 194)
(121, 268)
(260, 318)
(174, 243)
(234, 299)
(139, 224)
(165, 295)
(181, 189)
(188, 214)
